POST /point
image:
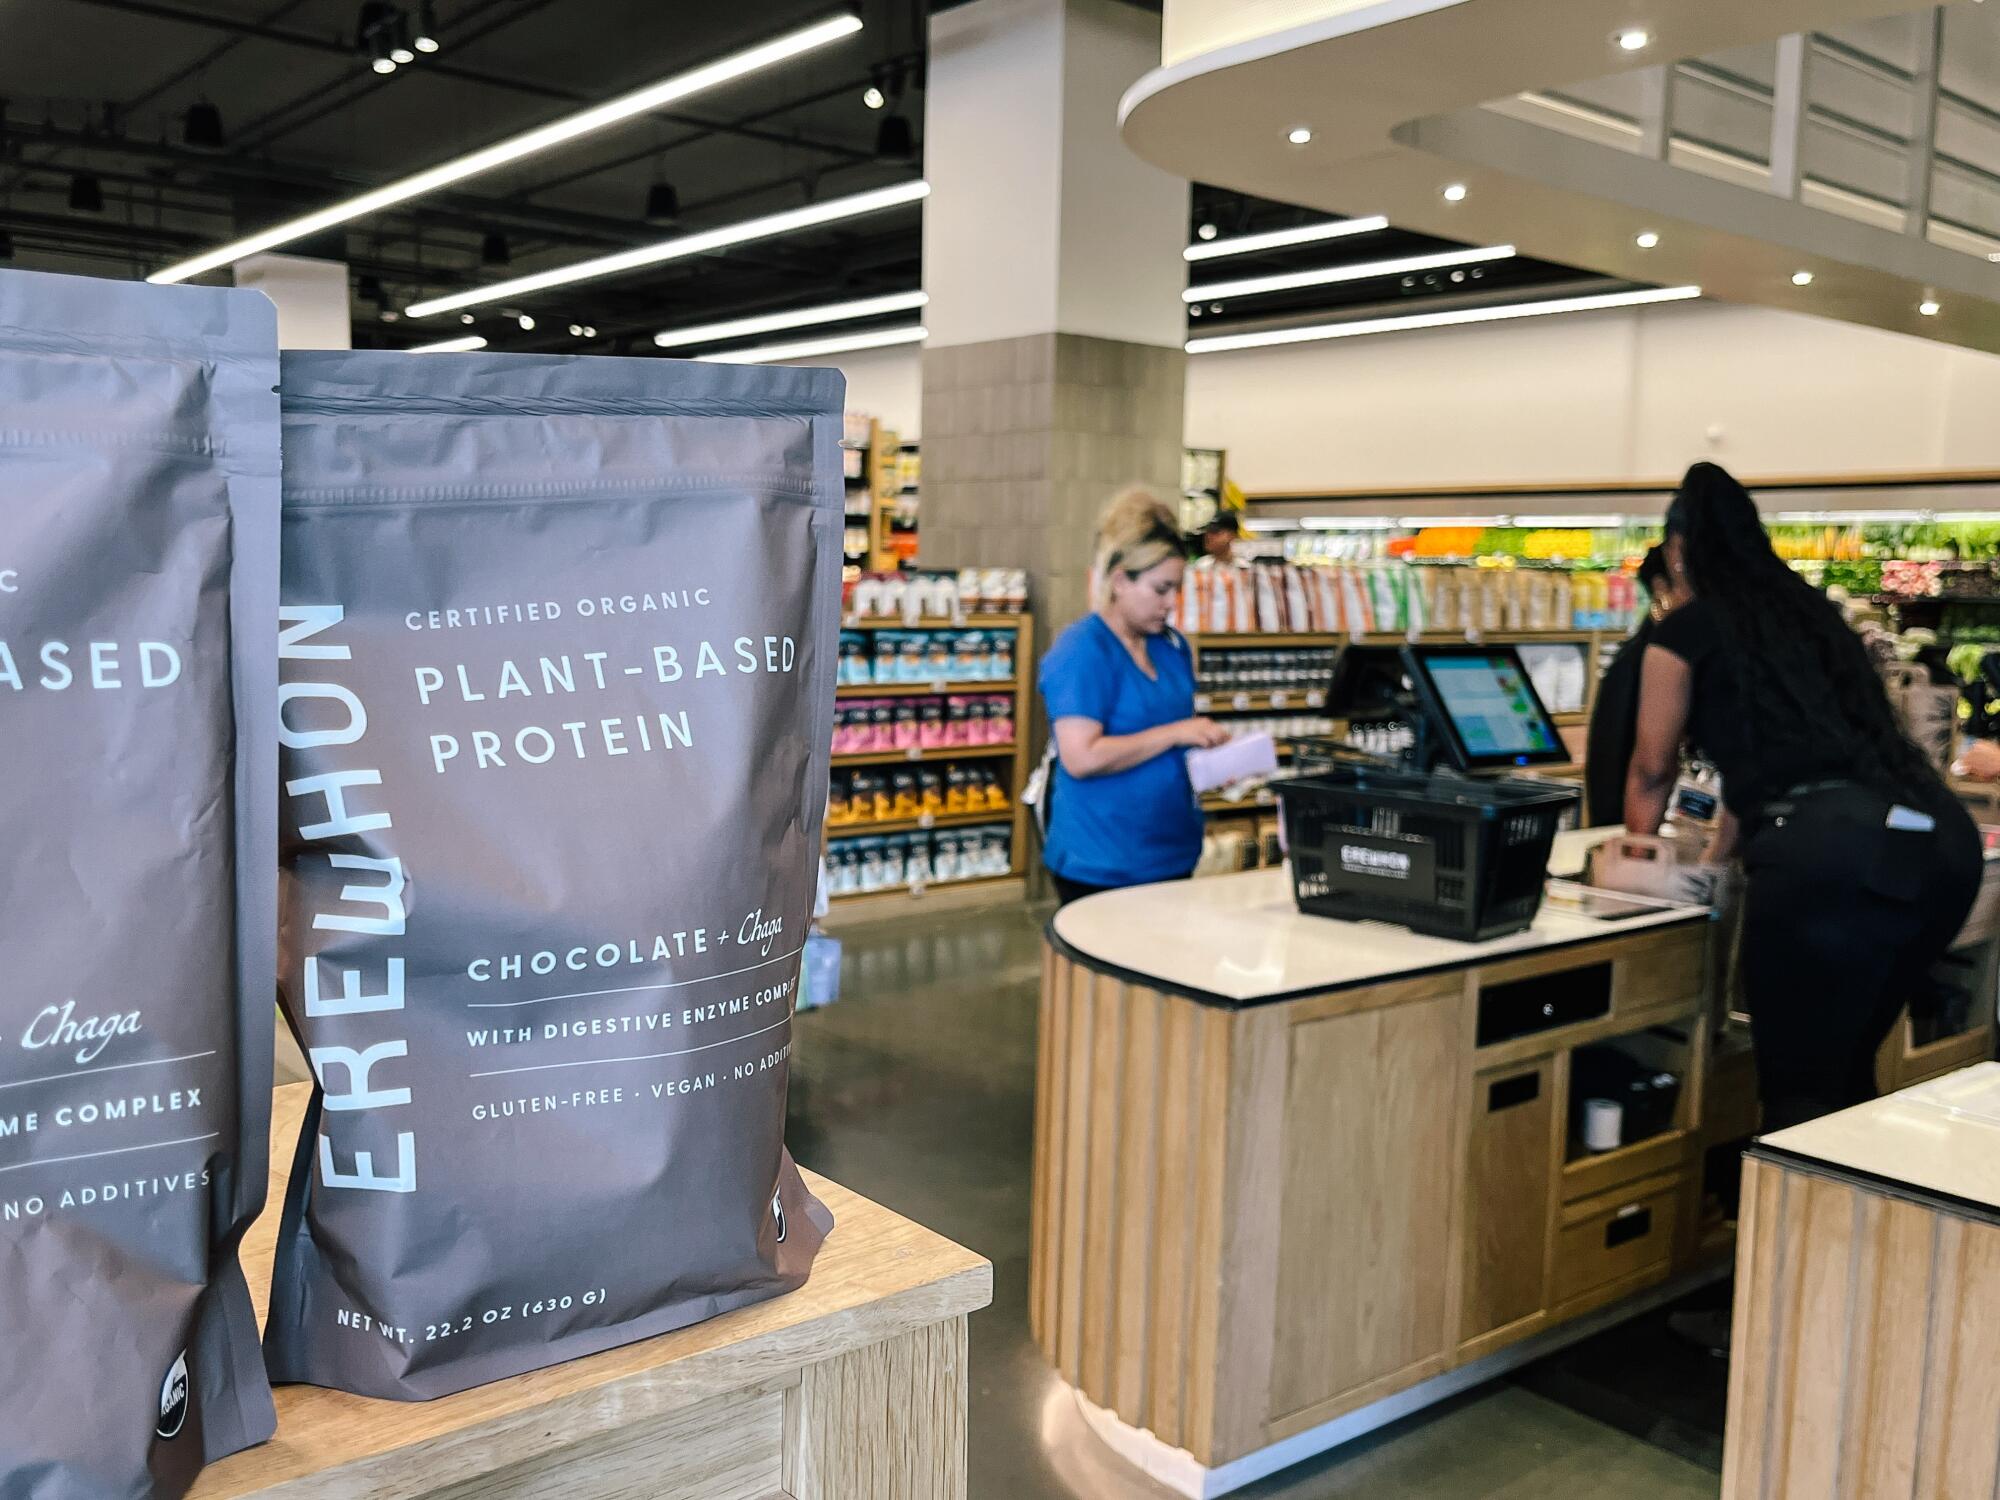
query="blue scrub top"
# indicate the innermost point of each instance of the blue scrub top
(1136, 825)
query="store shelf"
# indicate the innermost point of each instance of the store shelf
(1007, 686)
(1234, 700)
(1216, 804)
(898, 757)
(955, 895)
(1251, 640)
(920, 823)
(1570, 717)
(933, 622)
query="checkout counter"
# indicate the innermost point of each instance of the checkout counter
(1867, 1328)
(1297, 1177)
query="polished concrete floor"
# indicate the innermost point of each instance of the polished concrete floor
(917, 1089)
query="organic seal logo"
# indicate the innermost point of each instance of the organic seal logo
(174, 1398)
(778, 1213)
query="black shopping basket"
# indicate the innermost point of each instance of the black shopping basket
(1441, 854)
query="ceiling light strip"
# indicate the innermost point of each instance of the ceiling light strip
(680, 247)
(450, 346)
(810, 348)
(1360, 271)
(804, 317)
(544, 138)
(1412, 321)
(1279, 239)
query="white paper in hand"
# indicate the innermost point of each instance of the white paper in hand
(1248, 755)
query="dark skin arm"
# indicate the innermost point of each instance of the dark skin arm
(1666, 687)
(1666, 684)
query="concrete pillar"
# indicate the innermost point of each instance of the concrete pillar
(311, 297)
(1053, 375)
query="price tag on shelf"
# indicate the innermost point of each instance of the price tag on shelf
(1203, 703)
(1315, 698)
(1354, 637)
(915, 752)
(926, 820)
(938, 686)
(1280, 698)
(917, 888)
(1240, 701)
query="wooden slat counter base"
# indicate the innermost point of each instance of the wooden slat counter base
(852, 1388)
(1867, 1329)
(1280, 1180)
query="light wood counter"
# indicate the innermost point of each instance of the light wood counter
(1262, 1225)
(1866, 1363)
(851, 1388)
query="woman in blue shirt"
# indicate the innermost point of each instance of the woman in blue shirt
(1119, 689)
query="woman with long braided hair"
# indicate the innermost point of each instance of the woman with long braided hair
(1860, 864)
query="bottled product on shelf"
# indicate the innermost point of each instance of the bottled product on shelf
(1392, 596)
(1226, 669)
(871, 726)
(876, 658)
(920, 595)
(890, 794)
(913, 861)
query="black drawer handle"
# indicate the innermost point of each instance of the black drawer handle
(1509, 1092)
(1630, 1224)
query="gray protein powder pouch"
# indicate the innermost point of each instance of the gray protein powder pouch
(138, 799)
(557, 663)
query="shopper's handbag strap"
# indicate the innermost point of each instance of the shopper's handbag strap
(1041, 788)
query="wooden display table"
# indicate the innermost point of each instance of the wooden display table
(1296, 1177)
(1866, 1360)
(851, 1388)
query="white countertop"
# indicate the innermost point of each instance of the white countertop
(1242, 938)
(1942, 1136)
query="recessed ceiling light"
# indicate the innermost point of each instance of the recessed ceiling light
(1802, 278)
(1647, 240)
(527, 323)
(401, 55)
(1454, 192)
(1215, 307)
(383, 65)
(1206, 232)
(1299, 135)
(1194, 312)
(576, 330)
(465, 317)
(873, 97)
(1928, 307)
(1632, 40)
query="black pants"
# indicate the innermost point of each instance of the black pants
(1843, 919)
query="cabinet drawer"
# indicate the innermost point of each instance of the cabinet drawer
(1616, 1236)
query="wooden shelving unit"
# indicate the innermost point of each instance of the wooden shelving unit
(979, 890)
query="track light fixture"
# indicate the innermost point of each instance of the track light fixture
(390, 37)
(201, 129)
